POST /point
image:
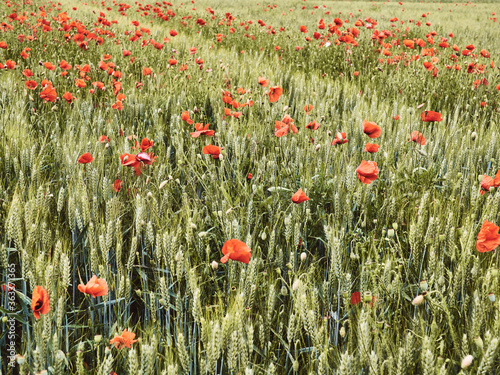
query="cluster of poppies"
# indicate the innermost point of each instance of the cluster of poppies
(95, 287)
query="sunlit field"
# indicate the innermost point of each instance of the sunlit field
(245, 187)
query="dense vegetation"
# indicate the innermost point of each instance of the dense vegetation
(388, 268)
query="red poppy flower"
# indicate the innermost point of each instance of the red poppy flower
(146, 144)
(367, 172)
(146, 71)
(431, 116)
(371, 129)
(496, 179)
(275, 93)
(185, 117)
(68, 97)
(48, 94)
(263, 82)
(236, 250)
(371, 147)
(409, 43)
(308, 108)
(27, 73)
(213, 151)
(118, 105)
(40, 303)
(355, 298)
(486, 184)
(418, 137)
(117, 185)
(126, 339)
(200, 130)
(488, 238)
(313, 125)
(300, 197)
(95, 287)
(30, 85)
(80, 83)
(85, 158)
(10, 64)
(340, 139)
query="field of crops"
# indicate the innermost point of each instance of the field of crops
(244, 187)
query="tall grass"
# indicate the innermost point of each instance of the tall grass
(290, 310)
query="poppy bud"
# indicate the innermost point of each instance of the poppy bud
(5, 319)
(214, 265)
(263, 236)
(491, 297)
(329, 133)
(295, 366)
(221, 157)
(480, 177)
(139, 293)
(202, 234)
(342, 332)
(107, 145)
(21, 359)
(142, 223)
(296, 285)
(163, 302)
(467, 361)
(285, 108)
(459, 175)
(318, 146)
(390, 233)
(150, 195)
(478, 342)
(473, 136)
(125, 159)
(98, 338)
(303, 256)
(284, 291)
(162, 185)
(418, 300)
(193, 226)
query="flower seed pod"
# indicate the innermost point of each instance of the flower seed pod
(367, 297)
